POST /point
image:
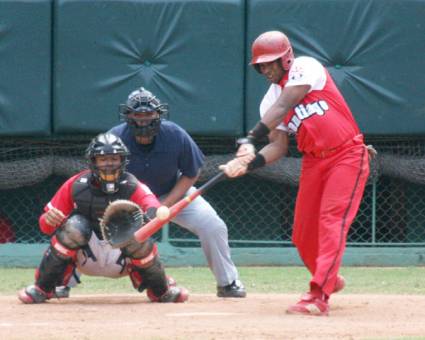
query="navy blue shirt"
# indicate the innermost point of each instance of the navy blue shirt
(174, 153)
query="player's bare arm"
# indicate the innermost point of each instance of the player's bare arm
(182, 186)
(289, 98)
(278, 146)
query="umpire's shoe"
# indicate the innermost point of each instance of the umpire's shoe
(233, 290)
(33, 294)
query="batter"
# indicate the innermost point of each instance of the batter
(304, 101)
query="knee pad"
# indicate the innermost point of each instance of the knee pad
(75, 233)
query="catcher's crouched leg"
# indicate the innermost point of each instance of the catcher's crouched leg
(58, 260)
(148, 272)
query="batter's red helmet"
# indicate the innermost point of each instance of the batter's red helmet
(271, 46)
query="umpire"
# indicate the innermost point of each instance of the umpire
(164, 156)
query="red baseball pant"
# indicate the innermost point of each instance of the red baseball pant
(328, 199)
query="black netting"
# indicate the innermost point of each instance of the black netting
(257, 208)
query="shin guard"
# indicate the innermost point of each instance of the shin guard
(148, 272)
(53, 266)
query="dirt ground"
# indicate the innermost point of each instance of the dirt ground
(259, 316)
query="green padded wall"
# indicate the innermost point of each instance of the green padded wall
(189, 53)
(25, 68)
(374, 50)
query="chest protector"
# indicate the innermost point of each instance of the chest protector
(91, 201)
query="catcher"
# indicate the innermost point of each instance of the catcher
(73, 217)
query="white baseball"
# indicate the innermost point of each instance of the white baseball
(163, 213)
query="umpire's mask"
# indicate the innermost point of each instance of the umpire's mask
(143, 113)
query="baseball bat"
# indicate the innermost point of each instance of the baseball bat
(155, 224)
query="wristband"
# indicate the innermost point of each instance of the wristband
(258, 162)
(259, 131)
(245, 140)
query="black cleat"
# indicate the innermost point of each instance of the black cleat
(232, 290)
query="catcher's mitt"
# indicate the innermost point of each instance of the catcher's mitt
(119, 222)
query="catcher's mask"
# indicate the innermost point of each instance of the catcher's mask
(271, 46)
(143, 112)
(107, 156)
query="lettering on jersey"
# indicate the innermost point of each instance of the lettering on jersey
(305, 111)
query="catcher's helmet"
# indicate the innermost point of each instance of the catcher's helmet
(109, 175)
(143, 101)
(271, 46)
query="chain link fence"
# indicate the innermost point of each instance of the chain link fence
(257, 208)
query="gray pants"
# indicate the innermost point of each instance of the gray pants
(200, 218)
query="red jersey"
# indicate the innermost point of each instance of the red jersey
(322, 120)
(64, 201)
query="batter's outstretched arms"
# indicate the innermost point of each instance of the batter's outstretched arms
(246, 157)
(277, 148)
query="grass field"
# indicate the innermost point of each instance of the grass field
(360, 280)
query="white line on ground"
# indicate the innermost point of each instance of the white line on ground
(201, 314)
(13, 324)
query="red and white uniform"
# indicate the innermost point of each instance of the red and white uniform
(334, 172)
(106, 263)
